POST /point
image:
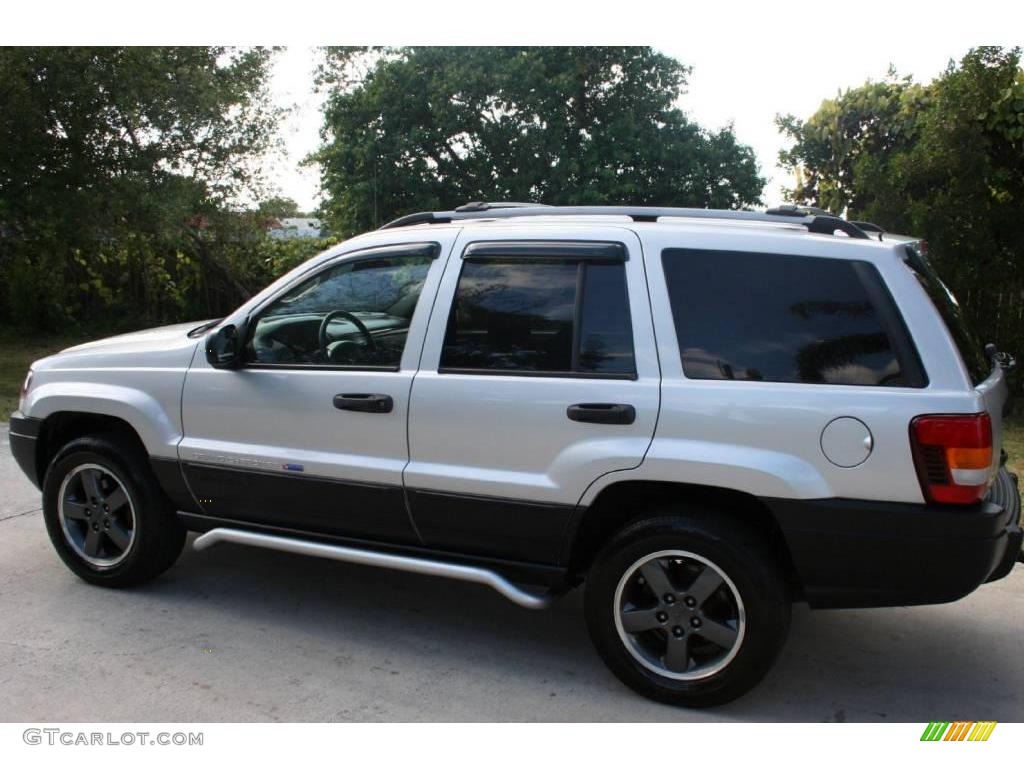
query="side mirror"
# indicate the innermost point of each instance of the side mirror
(223, 347)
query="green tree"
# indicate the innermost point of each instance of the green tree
(848, 139)
(962, 184)
(944, 161)
(279, 208)
(110, 160)
(427, 128)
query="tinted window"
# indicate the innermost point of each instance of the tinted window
(377, 297)
(523, 315)
(606, 338)
(766, 317)
(971, 350)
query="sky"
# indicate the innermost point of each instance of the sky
(751, 59)
(292, 87)
(724, 87)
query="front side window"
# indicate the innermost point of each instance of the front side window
(770, 317)
(355, 314)
(543, 315)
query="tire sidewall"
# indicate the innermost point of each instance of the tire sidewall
(760, 586)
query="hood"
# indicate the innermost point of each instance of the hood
(167, 346)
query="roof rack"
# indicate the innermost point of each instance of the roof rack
(819, 223)
(481, 206)
(789, 209)
(868, 227)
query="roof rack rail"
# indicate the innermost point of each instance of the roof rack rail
(867, 226)
(818, 223)
(482, 206)
(801, 210)
(789, 209)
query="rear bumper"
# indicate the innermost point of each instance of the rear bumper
(23, 436)
(850, 553)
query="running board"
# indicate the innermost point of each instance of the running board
(378, 560)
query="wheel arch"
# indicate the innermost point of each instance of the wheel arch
(156, 424)
(61, 427)
(629, 501)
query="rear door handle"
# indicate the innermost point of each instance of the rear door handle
(602, 413)
(364, 402)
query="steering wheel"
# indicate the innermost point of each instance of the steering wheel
(371, 345)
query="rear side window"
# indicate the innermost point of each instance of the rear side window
(797, 319)
(971, 350)
(540, 315)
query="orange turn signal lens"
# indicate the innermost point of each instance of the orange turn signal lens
(953, 454)
(969, 458)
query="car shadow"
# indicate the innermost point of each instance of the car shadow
(901, 664)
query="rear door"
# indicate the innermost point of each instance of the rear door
(539, 374)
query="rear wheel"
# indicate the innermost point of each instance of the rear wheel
(688, 609)
(106, 515)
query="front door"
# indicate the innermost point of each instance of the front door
(310, 434)
(539, 375)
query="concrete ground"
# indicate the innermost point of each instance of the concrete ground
(241, 634)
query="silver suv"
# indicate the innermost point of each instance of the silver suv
(702, 416)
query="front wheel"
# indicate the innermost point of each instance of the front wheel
(688, 609)
(106, 515)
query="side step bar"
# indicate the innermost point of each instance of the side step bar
(378, 560)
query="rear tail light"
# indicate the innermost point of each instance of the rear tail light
(953, 455)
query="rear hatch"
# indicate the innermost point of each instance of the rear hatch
(988, 375)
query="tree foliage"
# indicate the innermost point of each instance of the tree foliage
(114, 162)
(944, 160)
(427, 128)
(279, 208)
(847, 138)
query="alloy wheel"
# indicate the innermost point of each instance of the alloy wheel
(679, 615)
(96, 515)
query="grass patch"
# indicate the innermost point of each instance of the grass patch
(17, 353)
(1013, 443)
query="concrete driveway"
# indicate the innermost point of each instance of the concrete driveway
(241, 634)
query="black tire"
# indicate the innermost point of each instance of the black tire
(736, 551)
(158, 537)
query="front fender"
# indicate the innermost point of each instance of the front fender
(158, 424)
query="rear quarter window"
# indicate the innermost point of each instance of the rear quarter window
(971, 351)
(782, 318)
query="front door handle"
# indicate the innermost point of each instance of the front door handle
(602, 413)
(364, 403)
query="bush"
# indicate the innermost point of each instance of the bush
(137, 280)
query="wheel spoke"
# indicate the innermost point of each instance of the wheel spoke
(119, 535)
(677, 653)
(640, 620)
(705, 585)
(117, 499)
(92, 542)
(657, 578)
(73, 510)
(690, 632)
(720, 634)
(91, 483)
